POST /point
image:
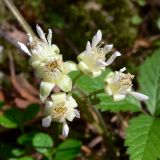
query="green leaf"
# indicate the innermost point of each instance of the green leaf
(12, 118)
(150, 82)
(107, 104)
(68, 150)
(26, 158)
(143, 138)
(31, 111)
(26, 139)
(89, 84)
(6, 122)
(17, 152)
(42, 142)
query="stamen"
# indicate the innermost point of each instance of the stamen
(53, 66)
(59, 110)
(125, 81)
(34, 43)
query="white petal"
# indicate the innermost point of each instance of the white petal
(88, 47)
(81, 56)
(108, 91)
(112, 58)
(100, 63)
(96, 73)
(65, 129)
(97, 38)
(58, 97)
(45, 89)
(122, 69)
(110, 77)
(119, 97)
(107, 48)
(70, 115)
(71, 102)
(48, 106)
(41, 33)
(69, 66)
(54, 49)
(65, 83)
(83, 67)
(30, 38)
(35, 64)
(77, 113)
(139, 96)
(46, 121)
(24, 48)
(49, 37)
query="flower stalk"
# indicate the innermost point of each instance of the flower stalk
(94, 117)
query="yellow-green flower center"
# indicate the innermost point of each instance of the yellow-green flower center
(126, 81)
(59, 110)
(53, 65)
(99, 54)
(121, 83)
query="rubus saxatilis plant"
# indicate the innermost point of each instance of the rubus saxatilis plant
(46, 59)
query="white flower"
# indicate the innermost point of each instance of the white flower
(54, 72)
(60, 109)
(92, 60)
(119, 84)
(47, 61)
(40, 49)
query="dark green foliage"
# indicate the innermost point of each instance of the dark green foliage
(107, 104)
(150, 82)
(14, 117)
(31, 111)
(68, 149)
(42, 142)
(143, 138)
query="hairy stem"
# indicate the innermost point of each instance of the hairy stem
(97, 121)
(19, 17)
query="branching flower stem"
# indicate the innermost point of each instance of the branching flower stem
(94, 117)
(98, 120)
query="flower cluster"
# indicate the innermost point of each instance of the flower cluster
(46, 59)
(48, 63)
